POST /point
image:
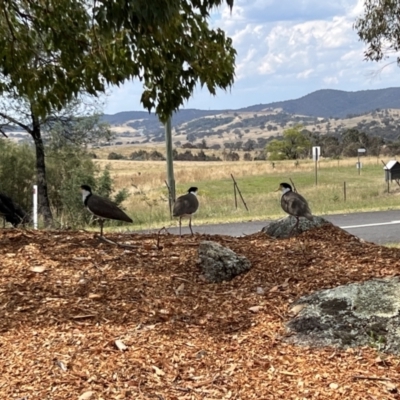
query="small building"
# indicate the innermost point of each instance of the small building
(392, 171)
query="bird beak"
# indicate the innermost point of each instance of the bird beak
(277, 190)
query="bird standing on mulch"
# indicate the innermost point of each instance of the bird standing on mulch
(11, 212)
(186, 206)
(294, 204)
(102, 207)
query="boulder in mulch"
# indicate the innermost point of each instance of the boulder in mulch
(359, 314)
(282, 227)
(220, 263)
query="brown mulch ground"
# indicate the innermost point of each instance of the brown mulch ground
(83, 319)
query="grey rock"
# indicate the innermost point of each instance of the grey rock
(282, 227)
(359, 314)
(220, 263)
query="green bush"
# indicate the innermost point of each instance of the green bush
(115, 156)
(68, 167)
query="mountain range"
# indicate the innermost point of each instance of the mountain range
(323, 111)
(329, 103)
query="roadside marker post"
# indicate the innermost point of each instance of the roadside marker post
(316, 152)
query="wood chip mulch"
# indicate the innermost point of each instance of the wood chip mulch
(84, 319)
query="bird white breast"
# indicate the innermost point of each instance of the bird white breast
(85, 194)
(285, 190)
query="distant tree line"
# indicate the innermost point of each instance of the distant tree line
(143, 155)
(296, 143)
(139, 155)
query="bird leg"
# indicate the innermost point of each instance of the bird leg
(101, 222)
(180, 226)
(296, 225)
(190, 224)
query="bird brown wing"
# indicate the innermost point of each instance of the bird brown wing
(104, 208)
(186, 204)
(6, 207)
(295, 204)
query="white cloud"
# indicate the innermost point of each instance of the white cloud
(331, 80)
(286, 50)
(305, 74)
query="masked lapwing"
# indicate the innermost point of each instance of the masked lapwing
(185, 206)
(294, 204)
(102, 207)
(11, 212)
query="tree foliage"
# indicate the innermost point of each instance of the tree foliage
(347, 143)
(51, 51)
(379, 28)
(293, 145)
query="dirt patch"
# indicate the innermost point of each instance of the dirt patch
(80, 317)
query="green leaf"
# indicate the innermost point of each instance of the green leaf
(52, 51)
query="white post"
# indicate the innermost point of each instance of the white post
(316, 152)
(35, 205)
(359, 164)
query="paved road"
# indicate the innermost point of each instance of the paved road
(380, 227)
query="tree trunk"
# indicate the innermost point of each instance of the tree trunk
(43, 197)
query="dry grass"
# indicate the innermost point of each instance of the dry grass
(151, 174)
(257, 180)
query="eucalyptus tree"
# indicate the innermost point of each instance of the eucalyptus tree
(78, 123)
(379, 28)
(53, 51)
(85, 45)
(293, 145)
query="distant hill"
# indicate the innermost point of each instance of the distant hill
(330, 103)
(323, 111)
(182, 116)
(326, 103)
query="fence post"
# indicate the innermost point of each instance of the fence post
(385, 168)
(240, 194)
(293, 185)
(344, 191)
(234, 192)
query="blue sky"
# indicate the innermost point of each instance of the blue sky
(286, 49)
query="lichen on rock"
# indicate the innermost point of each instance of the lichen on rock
(220, 263)
(283, 228)
(353, 315)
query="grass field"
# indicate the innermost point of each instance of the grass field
(257, 181)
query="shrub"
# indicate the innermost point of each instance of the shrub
(115, 156)
(17, 172)
(247, 157)
(68, 167)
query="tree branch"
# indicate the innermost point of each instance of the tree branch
(16, 122)
(3, 133)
